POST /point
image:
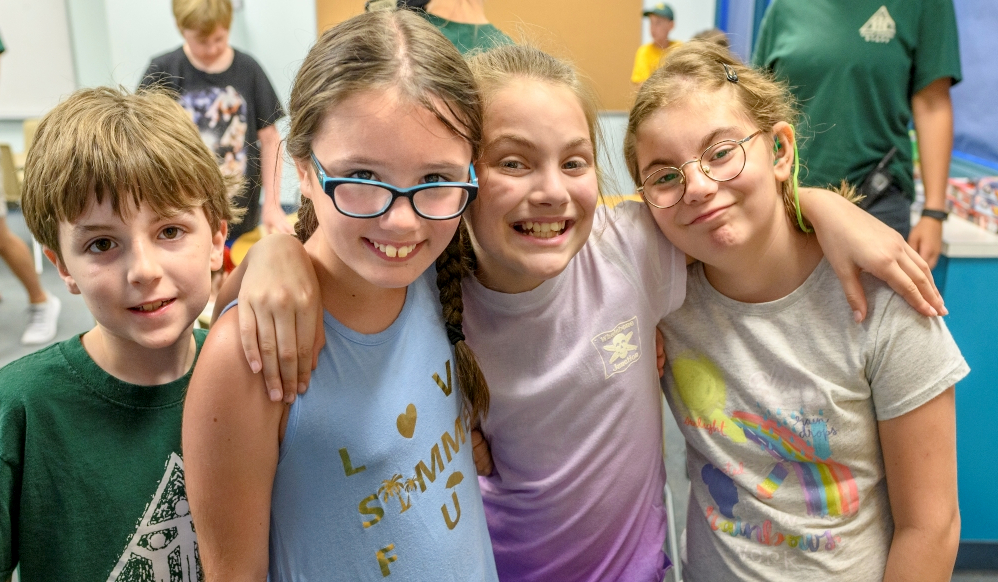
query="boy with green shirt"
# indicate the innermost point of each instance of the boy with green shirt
(132, 209)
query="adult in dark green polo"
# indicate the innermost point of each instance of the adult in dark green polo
(862, 71)
(463, 22)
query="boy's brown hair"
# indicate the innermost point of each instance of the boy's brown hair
(129, 148)
(204, 16)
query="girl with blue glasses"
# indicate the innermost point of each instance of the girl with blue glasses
(370, 474)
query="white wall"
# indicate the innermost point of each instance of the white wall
(37, 67)
(692, 16)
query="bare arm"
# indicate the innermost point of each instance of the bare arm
(280, 315)
(920, 463)
(231, 443)
(932, 111)
(270, 169)
(854, 241)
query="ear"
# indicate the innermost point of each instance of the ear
(61, 268)
(218, 246)
(305, 178)
(783, 156)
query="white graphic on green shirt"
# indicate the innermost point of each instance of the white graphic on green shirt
(615, 347)
(880, 27)
(163, 547)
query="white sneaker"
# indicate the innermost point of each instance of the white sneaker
(44, 317)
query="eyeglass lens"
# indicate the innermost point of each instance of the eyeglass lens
(721, 162)
(368, 199)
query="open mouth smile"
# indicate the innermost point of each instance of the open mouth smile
(392, 251)
(151, 306)
(542, 229)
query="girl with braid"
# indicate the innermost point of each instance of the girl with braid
(370, 473)
(562, 312)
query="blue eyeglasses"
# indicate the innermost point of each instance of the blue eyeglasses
(359, 198)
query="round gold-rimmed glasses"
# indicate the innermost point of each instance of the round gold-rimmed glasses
(721, 162)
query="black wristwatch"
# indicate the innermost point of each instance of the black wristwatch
(939, 215)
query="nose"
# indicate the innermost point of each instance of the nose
(401, 217)
(698, 186)
(144, 267)
(549, 189)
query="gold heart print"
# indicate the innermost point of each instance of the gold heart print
(407, 421)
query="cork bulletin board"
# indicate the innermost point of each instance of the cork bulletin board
(599, 36)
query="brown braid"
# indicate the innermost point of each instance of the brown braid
(307, 221)
(451, 268)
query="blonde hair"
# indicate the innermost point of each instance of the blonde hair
(702, 67)
(108, 144)
(497, 68)
(395, 50)
(203, 16)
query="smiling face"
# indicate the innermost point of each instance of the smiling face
(538, 186)
(717, 222)
(376, 135)
(145, 278)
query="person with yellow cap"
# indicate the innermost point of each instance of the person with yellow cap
(661, 20)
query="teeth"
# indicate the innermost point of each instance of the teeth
(393, 251)
(542, 229)
(151, 306)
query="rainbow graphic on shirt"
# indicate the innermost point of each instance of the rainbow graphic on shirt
(829, 487)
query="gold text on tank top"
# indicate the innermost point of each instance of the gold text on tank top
(373, 508)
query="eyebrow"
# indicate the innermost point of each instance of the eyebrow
(85, 229)
(522, 141)
(707, 141)
(364, 162)
(511, 138)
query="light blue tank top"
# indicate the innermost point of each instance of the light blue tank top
(375, 477)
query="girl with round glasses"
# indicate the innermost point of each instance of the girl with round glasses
(370, 474)
(818, 448)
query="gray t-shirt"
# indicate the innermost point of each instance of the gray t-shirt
(779, 404)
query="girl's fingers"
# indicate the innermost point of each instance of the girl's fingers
(247, 335)
(285, 329)
(305, 324)
(920, 272)
(909, 277)
(849, 279)
(481, 453)
(267, 335)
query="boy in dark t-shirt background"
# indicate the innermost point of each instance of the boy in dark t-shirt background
(233, 104)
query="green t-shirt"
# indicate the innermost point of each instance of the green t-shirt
(469, 37)
(854, 67)
(91, 478)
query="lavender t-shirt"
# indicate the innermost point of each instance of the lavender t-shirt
(575, 422)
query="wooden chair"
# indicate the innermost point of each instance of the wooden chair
(12, 189)
(8, 170)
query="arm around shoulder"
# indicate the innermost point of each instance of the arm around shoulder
(853, 241)
(231, 445)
